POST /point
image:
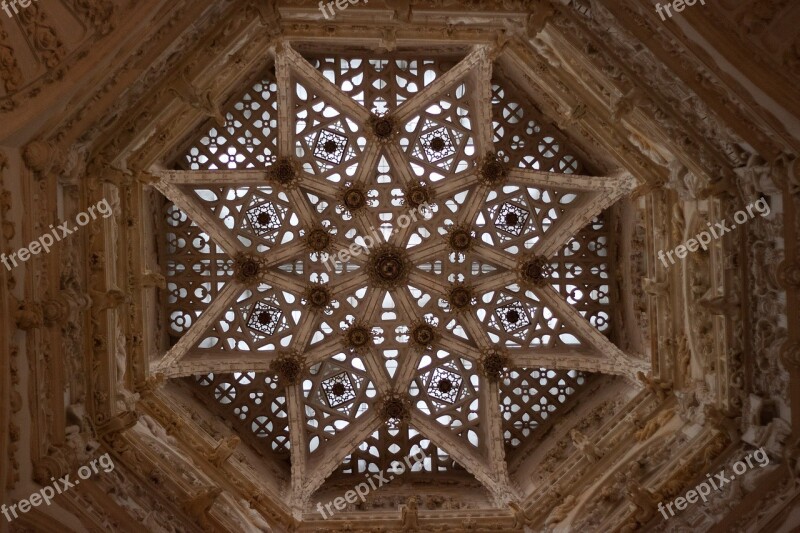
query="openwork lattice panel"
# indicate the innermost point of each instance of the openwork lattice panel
(394, 199)
(440, 142)
(530, 396)
(457, 263)
(446, 389)
(446, 212)
(338, 216)
(517, 217)
(523, 137)
(336, 392)
(387, 445)
(263, 319)
(392, 330)
(381, 84)
(329, 144)
(253, 401)
(458, 268)
(249, 137)
(260, 217)
(393, 342)
(196, 269)
(465, 266)
(515, 318)
(583, 264)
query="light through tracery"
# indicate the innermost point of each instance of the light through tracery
(378, 141)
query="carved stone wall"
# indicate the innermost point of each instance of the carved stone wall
(701, 109)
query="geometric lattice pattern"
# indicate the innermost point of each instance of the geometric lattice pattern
(264, 318)
(440, 141)
(531, 396)
(379, 83)
(437, 144)
(256, 323)
(520, 134)
(385, 446)
(513, 317)
(446, 389)
(511, 218)
(249, 137)
(196, 270)
(253, 401)
(581, 274)
(517, 319)
(510, 251)
(264, 219)
(329, 143)
(260, 217)
(444, 385)
(330, 146)
(335, 394)
(338, 389)
(517, 218)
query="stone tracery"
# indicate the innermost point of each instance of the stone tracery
(606, 75)
(439, 145)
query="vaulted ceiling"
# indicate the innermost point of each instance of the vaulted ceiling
(523, 332)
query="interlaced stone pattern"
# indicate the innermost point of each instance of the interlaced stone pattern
(362, 141)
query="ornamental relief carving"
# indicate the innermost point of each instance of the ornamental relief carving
(34, 25)
(9, 69)
(678, 96)
(10, 392)
(706, 148)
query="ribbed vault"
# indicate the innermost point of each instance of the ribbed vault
(483, 272)
(521, 332)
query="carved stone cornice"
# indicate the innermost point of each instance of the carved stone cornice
(616, 69)
(56, 465)
(162, 475)
(789, 275)
(43, 158)
(735, 36)
(88, 21)
(118, 424)
(790, 355)
(203, 449)
(714, 88)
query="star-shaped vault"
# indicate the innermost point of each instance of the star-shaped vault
(477, 236)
